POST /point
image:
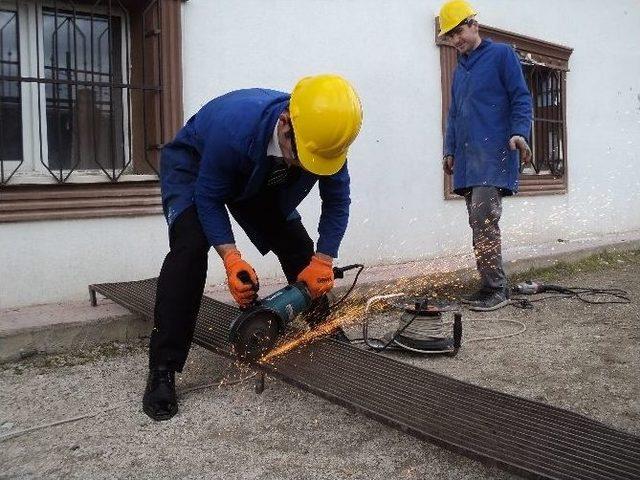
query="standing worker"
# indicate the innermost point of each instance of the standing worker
(489, 121)
(257, 153)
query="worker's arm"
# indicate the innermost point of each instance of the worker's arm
(520, 101)
(210, 196)
(213, 189)
(224, 249)
(450, 136)
(335, 196)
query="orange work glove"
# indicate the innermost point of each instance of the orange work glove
(318, 276)
(243, 292)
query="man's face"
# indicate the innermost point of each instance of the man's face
(287, 141)
(465, 37)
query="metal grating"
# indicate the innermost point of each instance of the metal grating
(531, 439)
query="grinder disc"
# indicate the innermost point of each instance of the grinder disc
(256, 335)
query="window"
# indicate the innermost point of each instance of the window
(90, 91)
(10, 95)
(547, 132)
(85, 120)
(544, 66)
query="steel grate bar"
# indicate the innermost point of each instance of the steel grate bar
(442, 416)
(529, 438)
(447, 397)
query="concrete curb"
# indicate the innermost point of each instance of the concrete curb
(60, 337)
(48, 329)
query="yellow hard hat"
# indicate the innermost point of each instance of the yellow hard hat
(453, 13)
(326, 115)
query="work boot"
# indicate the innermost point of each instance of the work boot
(476, 296)
(159, 401)
(493, 301)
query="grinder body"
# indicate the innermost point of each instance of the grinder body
(256, 330)
(288, 302)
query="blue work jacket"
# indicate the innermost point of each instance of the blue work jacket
(490, 102)
(220, 158)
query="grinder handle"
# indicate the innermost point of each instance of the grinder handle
(246, 279)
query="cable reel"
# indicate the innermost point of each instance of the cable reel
(424, 326)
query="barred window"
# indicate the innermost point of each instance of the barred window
(544, 66)
(10, 95)
(86, 124)
(90, 90)
(70, 98)
(547, 133)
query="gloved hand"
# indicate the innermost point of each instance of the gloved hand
(242, 278)
(447, 164)
(318, 275)
(520, 143)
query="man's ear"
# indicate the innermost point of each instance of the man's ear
(284, 116)
(283, 121)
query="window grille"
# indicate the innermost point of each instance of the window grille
(70, 104)
(547, 132)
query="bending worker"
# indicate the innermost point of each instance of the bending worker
(257, 153)
(489, 121)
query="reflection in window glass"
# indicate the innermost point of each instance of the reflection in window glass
(84, 120)
(10, 97)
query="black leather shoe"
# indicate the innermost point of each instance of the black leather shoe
(159, 401)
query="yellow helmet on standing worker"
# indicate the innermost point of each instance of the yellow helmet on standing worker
(326, 115)
(453, 13)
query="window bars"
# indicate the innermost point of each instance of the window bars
(547, 134)
(80, 87)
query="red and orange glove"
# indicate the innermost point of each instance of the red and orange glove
(242, 278)
(318, 276)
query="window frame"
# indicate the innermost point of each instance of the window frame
(549, 54)
(35, 146)
(95, 196)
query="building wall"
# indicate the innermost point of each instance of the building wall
(386, 48)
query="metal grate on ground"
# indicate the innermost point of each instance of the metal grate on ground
(529, 438)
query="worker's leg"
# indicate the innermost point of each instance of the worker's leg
(484, 205)
(293, 247)
(179, 293)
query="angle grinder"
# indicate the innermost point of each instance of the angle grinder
(257, 328)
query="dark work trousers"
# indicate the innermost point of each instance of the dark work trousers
(183, 274)
(484, 205)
